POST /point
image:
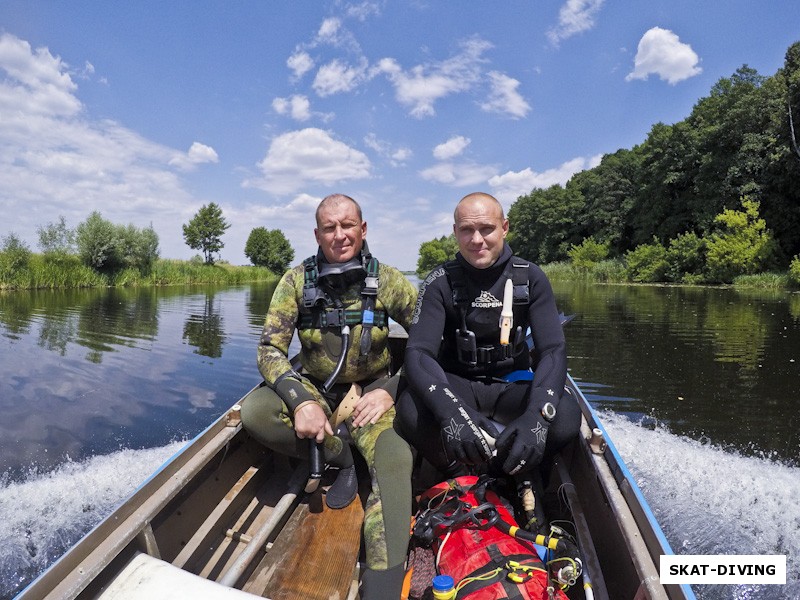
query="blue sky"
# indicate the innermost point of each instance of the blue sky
(147, 110)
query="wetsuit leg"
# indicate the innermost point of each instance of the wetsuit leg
(418, 425)
(387, 515)
(266, 418)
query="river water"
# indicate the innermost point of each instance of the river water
(697, 387)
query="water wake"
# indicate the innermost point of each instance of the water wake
(714, 501)
(48, 512)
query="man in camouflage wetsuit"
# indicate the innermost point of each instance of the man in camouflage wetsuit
(315, 298)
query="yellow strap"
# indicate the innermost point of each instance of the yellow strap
(346, 406)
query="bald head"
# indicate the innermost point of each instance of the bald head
(480, 228)
(333, 201)
(479, 198)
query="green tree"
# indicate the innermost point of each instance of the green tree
(138, 248)
(56, 240)
(609, 191)
(741, 243)
(269, 248)
(205, 230)
(545, 223)
(14, 256)
(98, 243)
(435, 252)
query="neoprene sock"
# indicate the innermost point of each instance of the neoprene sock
(382, 585)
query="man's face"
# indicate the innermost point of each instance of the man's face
(480, 231)
(340, 233)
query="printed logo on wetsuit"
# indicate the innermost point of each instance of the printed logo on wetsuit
(486, 300)
(432, 276)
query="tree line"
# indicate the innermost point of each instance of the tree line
(706, 199)
(98, 251)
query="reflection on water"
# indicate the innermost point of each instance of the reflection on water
(710, 363)
(87, 372)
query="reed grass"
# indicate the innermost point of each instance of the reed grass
(41, 272)
(763, 281)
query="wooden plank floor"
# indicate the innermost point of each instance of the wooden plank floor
(315, 555)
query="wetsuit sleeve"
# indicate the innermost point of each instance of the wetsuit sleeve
(279, 326)
(398, 295)
(550, 373)
(425, 376)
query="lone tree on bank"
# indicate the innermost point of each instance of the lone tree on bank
(270, 249)
(205, 230)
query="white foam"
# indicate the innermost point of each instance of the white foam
(714, 501)
(48, 512)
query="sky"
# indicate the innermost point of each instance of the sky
(145, 111)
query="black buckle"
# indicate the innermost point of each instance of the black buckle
(466, 347)
(333, 317)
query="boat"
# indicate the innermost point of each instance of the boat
(226, 518)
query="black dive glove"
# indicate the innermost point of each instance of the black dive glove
(461, 435)
(521, 445)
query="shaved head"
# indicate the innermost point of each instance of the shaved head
(479, 198)
(480, 228)
(335, 200)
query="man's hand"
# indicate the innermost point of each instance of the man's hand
(310, 421)
(522, 443)
(462, 437)
(371, 407)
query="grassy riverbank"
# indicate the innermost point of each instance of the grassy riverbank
(69, 272)
(614, 271)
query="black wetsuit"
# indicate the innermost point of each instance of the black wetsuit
(447, 398)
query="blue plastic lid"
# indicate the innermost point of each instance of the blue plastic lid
(443, 583)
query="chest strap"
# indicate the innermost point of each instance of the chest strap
(466, 345)
(328, 312)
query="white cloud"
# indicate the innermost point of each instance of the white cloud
(362, 10)
(39, 83)
(300, 63)
(198, 154)
(451, 148)
(308, 157)
(661, 53)
(337, 76)
(576, 16)
(54, 160)
(328, 30)
(421, 86)
(509, 186)
(397, 156)
(459, 174)
(504, 97)
(298, 107)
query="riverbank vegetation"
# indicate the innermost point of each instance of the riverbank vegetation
(98, 253)
(712, 199)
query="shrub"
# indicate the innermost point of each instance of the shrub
(686, 258)
(646, 263)
(794, 270)
(741, 244)
(588, 253)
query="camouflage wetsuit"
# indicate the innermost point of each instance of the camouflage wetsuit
(268, 417)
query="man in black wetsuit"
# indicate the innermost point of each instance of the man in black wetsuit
(461, 378)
